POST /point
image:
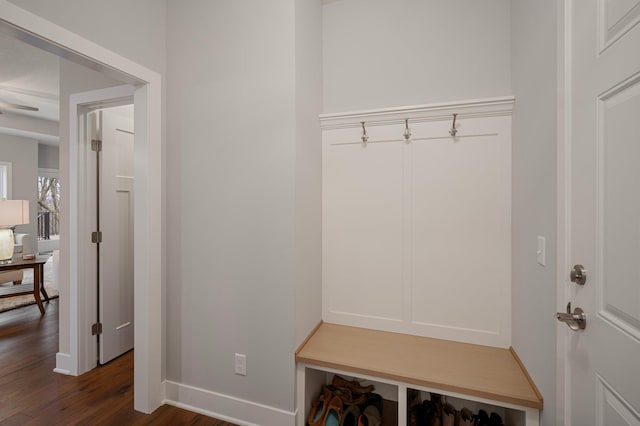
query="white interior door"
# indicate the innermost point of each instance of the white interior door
(603, 360)
(116, 224)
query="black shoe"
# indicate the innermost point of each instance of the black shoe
(495, 420)
(372, 399)
(481, 419)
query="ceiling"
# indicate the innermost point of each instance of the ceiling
(29, 76)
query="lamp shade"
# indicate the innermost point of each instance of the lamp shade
(14, 212)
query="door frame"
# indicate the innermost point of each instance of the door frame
(563, 201)
(79, 150)
(148, 237)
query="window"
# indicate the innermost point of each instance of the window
(48, 204)
(5, 180)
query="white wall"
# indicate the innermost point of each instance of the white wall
(48, 156)
(244, 193)
(133, 29)
(534, 76)
(308, 242)
(23, 154)
(29, 127)
(383, 53)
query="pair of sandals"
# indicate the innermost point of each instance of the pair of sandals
(369, 417)
(326, 410)
(329, 408)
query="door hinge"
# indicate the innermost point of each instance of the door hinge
(96, 328)
(96, 145)
(96, 237)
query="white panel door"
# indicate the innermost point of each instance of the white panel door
(603, 360)
(116, 224)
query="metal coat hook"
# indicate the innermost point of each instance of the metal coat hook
(407, 131)
(453, 130)
(364, 138)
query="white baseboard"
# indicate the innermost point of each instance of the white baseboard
(63, 364)
(225, 407)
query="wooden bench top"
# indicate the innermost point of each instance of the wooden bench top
(481, 371)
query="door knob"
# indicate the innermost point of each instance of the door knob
(579, 275)
(576, 320)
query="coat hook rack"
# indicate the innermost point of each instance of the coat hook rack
(453, 130)
(364, 137)
(407, 131)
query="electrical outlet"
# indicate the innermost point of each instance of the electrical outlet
(241, 364)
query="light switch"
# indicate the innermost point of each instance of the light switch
(541, 253)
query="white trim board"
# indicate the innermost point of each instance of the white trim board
(148, 250)
(241, 411)
(563, 255)
(420, 113)
(63, 364)
(50, 173)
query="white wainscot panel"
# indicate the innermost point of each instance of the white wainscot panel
(461, 231)
(362, 229)
(417, 232)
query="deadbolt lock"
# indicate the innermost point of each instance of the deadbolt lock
(579, 275)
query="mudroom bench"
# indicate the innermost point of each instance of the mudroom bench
(472, 376)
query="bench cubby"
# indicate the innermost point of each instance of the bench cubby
(472, 376)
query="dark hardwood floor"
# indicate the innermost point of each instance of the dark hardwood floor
(32, 394)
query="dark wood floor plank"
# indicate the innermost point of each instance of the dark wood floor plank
(32, 394)
(18, 419)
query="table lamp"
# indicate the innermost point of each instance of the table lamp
(12, 212)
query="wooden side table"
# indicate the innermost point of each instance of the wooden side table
(37, 265)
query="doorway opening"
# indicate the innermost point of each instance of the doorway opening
(107, 195)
